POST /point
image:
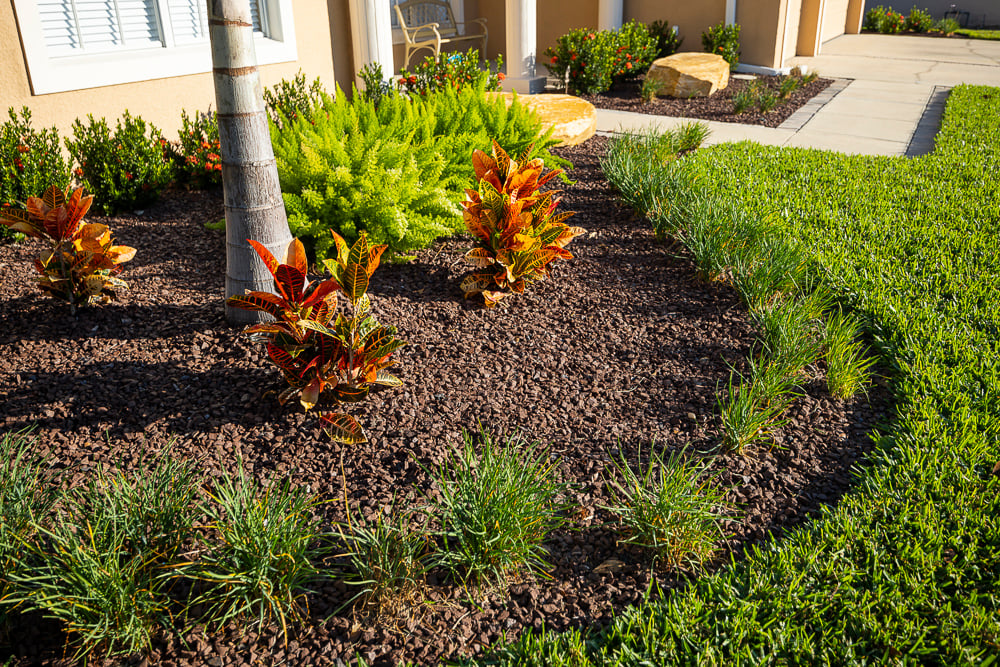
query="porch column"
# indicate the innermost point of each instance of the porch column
(371, 35)
(610, 14)
(522, 29)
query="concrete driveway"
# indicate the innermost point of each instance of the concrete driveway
(889, 100)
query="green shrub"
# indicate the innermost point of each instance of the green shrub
(266, 554)
(723, 40)
(651, 89)
(125, 169)
(751, 411)
(376, 86)
(30, 160)
(848, 369)
(670, 508)
(496, 508)
(947, 26)
(919, 20)
(884, 20)
(288, 101)
(788, 85)
(668, 40)
(451, 70)
(200, 162)
(105, 566)
(744, 100)
(397, 171)
(591, 61)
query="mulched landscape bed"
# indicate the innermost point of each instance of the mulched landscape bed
(625, 97)
(622, 348)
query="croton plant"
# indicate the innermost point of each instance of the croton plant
(340, 357)
(82, 263)
(517, 231)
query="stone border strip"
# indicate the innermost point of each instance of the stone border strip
(922, 140)
(805, 113)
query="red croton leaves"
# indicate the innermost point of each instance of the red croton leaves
(317, 354)
(517, 231)
(82, 262)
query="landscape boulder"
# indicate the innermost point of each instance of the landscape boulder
(572, 120)
(690, 74)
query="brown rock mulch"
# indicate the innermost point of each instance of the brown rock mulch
(621, 349)
(719, 107)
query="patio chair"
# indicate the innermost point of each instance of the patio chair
(429, 24)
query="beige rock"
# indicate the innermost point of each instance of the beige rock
(690, 74)
(572, 120)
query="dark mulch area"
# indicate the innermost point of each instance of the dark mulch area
(625, 97)
(621, 349)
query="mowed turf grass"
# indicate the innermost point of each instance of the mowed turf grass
(906, 569)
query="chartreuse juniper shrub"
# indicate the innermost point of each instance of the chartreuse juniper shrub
(903, 569)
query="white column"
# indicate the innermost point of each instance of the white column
(522, 28)
(730, 12)
(610, 14)
(371, 35)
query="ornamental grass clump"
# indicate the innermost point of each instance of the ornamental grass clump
(670, 507)
(342, 356)
(515, 226)
(82, 263)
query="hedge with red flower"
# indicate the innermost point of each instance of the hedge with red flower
(590, 62)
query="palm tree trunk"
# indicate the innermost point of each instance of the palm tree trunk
(254, 209)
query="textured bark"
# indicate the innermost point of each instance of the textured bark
(254, 209)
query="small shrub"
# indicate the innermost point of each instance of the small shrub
(496, 508)
(884, 20)
(514, 223)
(723, 40)
(791, 329)
(752, 411)
(124, 170)
(30, 159)
(105, 566)
(744, 100)
(847, 368)
(287, 101)
(770, 266)
(316, 353)
(591, 61)
(388, 558)
(766, 101)
(809, 77)
(82, 264)
(919, 20)
(201, 163)
(651, 89)
(451, 70)
(376, 85)
(668, 41)
(787, 86)
(947, 26)
(670, 508)
(269, 543)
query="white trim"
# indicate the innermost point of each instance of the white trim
(77, 72)
(743, 68)
(457, 9)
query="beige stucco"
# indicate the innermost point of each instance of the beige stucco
(834, 19)
(158, 101)
(691, 18)
(809, 28)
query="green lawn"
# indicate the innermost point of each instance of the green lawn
(906, 568)
(979, 34)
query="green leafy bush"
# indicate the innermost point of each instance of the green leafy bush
(947, 26)
(125, 169)
(200, 162)
(397, 171)
(288, 101)
(591, 61)
(451, 70)
(884, 20)
(30, 160)
(668, 40)
(723, 40)
(919, 20)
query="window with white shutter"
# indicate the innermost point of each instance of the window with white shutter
(72, 44)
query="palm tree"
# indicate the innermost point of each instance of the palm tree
(254, 209)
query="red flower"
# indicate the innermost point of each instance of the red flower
(128, 175)
(572, 57)
(78, 172)
(554, 58)
(208, 166)
(501, 76)
(628, 65)
(23, 149)
(402, 81)
(218, 167)
(412, 79)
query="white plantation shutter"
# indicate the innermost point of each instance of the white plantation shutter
(93, 26)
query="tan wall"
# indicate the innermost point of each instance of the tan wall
(761, 25)
(340, 38)
(834, 18)
(159, 101)
(791, 28)
(808, 43)
(691, 18)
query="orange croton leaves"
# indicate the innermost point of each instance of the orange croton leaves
(318, 354)
(82, 262)
(514, 223)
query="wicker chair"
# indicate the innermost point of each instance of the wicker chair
(429, 24)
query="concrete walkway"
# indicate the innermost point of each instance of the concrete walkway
(887, 100)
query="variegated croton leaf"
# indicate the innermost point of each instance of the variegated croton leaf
(514, 223)
(82, 260)
(340, 358)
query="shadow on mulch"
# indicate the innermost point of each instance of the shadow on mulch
(621, 350)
